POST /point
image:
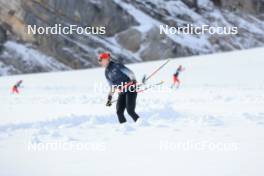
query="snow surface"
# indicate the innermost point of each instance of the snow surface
(220, 101)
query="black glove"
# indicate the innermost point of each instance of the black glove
(108, 103)
(109, 100)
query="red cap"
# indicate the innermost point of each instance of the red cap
(104, 56)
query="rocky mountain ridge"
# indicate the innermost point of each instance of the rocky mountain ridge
(132, 34)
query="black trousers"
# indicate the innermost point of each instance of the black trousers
(126, 101)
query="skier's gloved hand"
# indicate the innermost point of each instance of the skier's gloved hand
(109, 103)
(109, 100)
(134, 81)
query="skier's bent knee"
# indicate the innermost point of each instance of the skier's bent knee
(133, 114)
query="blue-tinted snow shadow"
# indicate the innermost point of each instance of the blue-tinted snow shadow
(212, 121)
(166, 114)
(163, 117)
(65, 122)
(257, 118)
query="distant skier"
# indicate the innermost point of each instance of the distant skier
(16, 86)
(176, 81)
(123, 80)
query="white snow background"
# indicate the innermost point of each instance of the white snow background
(212, 125)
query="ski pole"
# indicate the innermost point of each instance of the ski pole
(151, 86)
(158, 69)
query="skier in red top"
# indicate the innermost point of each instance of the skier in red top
(176, 80)
(16, 86)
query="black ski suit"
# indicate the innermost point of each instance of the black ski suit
(116, 75)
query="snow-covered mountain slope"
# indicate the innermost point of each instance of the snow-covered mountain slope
(18, 59)
(132, 28)
(212, 125)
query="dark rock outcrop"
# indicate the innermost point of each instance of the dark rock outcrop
(130, 39)
(249, 6)
(132, 29)
(3, 37)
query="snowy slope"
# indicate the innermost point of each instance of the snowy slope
(19, 58)
(219, 107)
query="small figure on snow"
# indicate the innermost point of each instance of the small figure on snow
(123, 80)
(176, 81)
(16, 86)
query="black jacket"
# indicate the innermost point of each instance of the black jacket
(117, 73)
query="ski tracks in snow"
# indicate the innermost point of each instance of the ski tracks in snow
(213, 107)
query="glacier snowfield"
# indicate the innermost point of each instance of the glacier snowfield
(212, 125)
